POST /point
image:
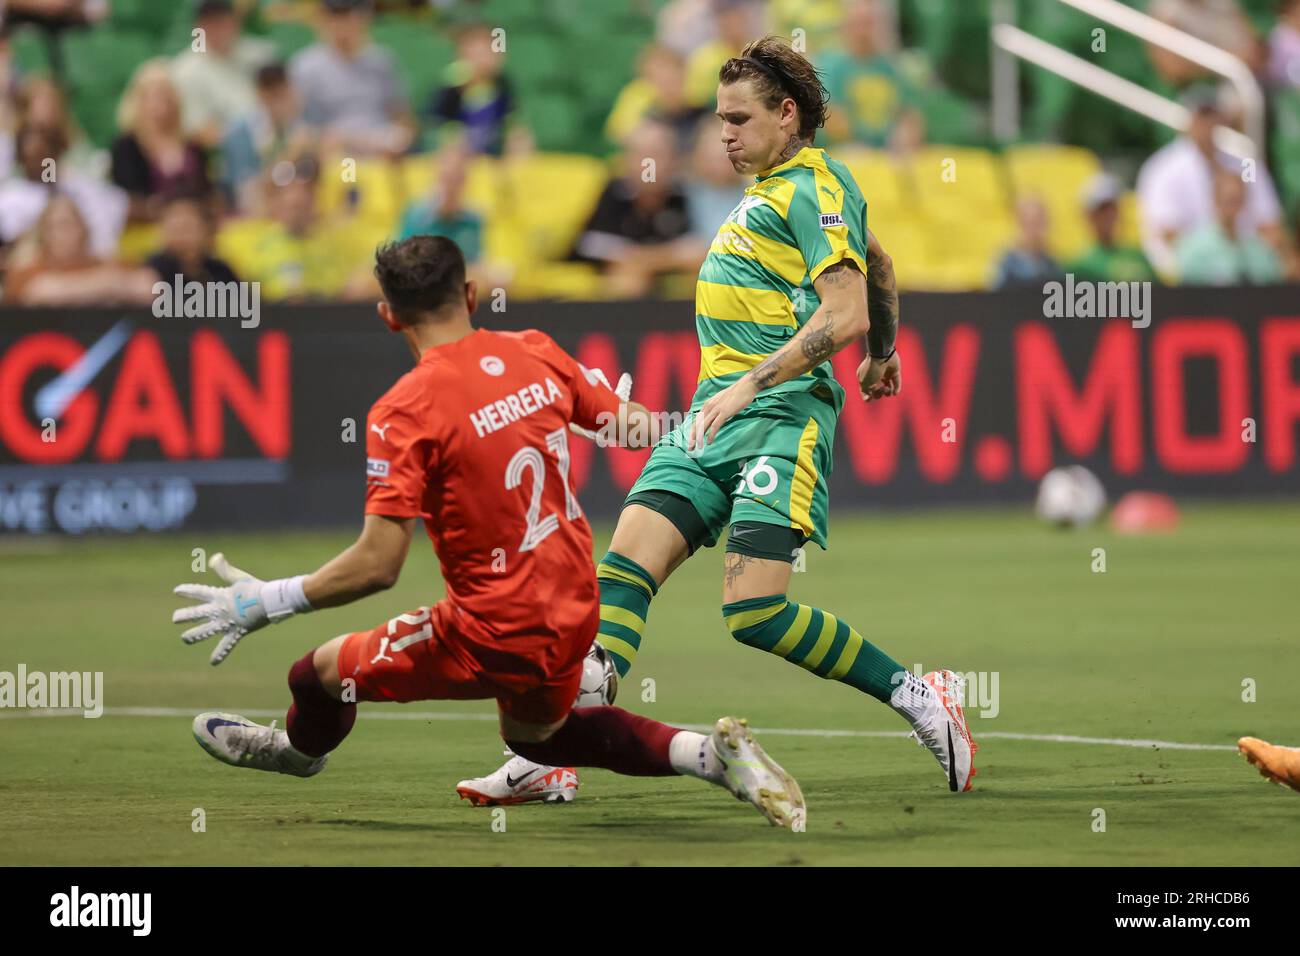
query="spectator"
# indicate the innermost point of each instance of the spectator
(1218, 252)
(821, 20)
(152, 158)
(444, 213)
(38, 101)
(639, 228)
(1027, 263)
(58, 268)
(1176, 188)
(684, 26)
(215, 81)
(41, 174)
(477, 106)
(349, 87)
(302, 258)
(872, 101)
(189, 227)
(658, 92)
(1284, 47)
(272, 130)
(736, 22)
(1106, 260)
(1219, 22)
(713, 188)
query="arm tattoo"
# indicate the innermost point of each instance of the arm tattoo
(766, 371)
(882, 304)
(735, 567)
(819, 343)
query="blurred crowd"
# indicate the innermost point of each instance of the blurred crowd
(231, 162)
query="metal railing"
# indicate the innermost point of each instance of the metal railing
(1010, 44)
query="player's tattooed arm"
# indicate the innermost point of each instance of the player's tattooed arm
(841, 318)
(882, 299)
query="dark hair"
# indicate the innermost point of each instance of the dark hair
(201, 202)
(777, 72)
(271, 75)
(420, 275)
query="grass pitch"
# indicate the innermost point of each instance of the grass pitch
(1156, 647)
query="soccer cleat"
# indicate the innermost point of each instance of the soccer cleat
(750, 774)
(943, 729)
(1279, 764)
(239, 742)
(521, 781)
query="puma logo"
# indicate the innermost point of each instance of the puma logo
(379, 430)
(831, 192)
(381, 656)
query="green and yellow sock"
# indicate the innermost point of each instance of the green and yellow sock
(816, 640)
(625, 592)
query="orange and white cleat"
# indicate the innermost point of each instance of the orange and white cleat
(943, 729)
(1279, 764)
(521, 781)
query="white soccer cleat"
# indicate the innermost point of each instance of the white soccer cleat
(750, 774)
(943, 729)
(239, 742)
(521, 781)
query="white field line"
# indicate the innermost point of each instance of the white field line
(771, 731)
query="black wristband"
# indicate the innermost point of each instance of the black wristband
(883, 358)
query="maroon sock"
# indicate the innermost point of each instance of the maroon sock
(317, 722)
(606, 737)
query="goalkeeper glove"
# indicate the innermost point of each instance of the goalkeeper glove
(247, 605)
(623, 390)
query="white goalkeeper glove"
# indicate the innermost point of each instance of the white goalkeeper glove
(231, 612)
(623, 390)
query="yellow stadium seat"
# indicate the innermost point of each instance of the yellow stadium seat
(486, 185)
(1130, 220)
(559, 280)
(138, 242)
(1057, 175)
(955, 182)
(883, 183)
(552, 195)
(372, 189)
(908, 243)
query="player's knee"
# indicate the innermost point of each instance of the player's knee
(757, 622)
(323, 672)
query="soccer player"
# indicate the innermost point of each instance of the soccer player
(473, 441)
(789, 280)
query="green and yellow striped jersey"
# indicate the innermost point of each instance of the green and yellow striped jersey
(755, 289)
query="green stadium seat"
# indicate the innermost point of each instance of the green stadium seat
(146, 16)
(422, 54)
(1286, 148)
(289, 37)
(554, 118)
(99, 64)
(30, 51)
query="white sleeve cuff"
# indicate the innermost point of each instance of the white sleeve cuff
(284, 597)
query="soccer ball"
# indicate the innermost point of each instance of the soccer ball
(1071, 497)
(599, 679)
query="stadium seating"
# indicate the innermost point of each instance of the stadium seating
(99, 64)
(1057, 175)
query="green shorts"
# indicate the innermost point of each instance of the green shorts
(769, 464)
